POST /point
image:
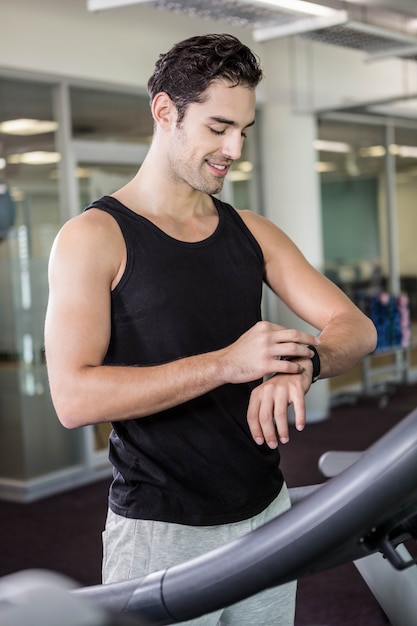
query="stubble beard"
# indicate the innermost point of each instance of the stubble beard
(205, 184)
(185, 171)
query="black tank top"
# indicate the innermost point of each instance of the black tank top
(197, 462)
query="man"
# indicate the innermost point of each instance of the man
(154, 325)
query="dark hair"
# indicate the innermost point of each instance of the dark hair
(190, 66)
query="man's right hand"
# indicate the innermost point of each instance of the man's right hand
(259, 351)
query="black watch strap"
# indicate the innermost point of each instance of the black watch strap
(316, 364)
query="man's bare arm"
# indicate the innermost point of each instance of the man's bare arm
(345, 333)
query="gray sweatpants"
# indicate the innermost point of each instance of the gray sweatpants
(134, 548)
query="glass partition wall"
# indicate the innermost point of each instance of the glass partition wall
(351, 175)
(108, 137)
(368, 171)
(363, 245)
(32, 443)
(62, 145)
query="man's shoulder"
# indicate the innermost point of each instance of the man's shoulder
(256, 222)
(92, 228)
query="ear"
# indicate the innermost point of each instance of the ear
(164, 111)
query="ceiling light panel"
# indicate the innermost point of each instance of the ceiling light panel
(359, 36)
(331, 146)
(242, 14)
(36, 157)
(26, 127)
(295, 6)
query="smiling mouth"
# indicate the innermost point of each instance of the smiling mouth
(220, 168)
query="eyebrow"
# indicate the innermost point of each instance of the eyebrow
(223, 120)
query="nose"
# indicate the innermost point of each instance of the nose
(232, 145)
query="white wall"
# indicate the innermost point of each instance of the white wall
(61, 37)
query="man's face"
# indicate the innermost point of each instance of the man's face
(210, 137)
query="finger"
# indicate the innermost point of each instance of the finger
(281, 420)
(267, 424)
(293, 335)
(260, 416)
(287, 351)
(253, 421)
(299, 411)
(286, 366)
(290, 349)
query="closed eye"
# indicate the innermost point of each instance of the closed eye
(222, 132)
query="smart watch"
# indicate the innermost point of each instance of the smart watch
(316, 364)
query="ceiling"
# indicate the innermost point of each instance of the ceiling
(401, 6)
(405, 7)
(375, 26)
(379, 28)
